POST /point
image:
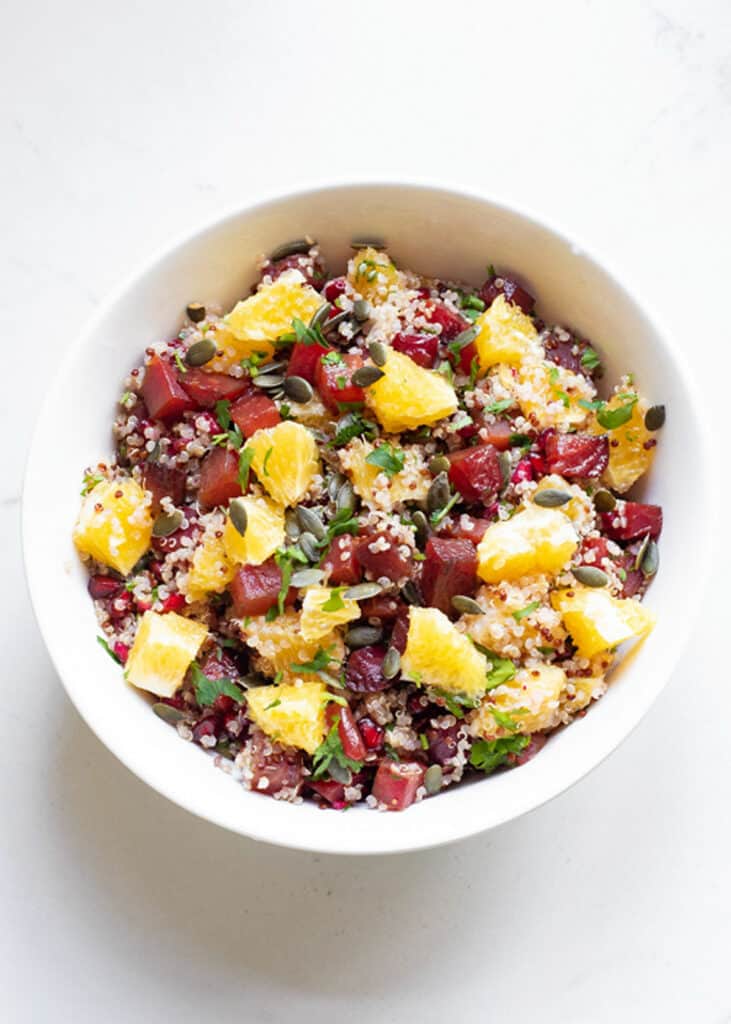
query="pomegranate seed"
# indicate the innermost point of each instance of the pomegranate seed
(223, 704)
(173, 603)
(121, 650)
(372, 734)
(522, 472)
(334, 289)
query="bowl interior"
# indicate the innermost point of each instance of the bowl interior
(430, 230)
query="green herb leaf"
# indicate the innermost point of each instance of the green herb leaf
(335, 602)
(501, 671)
(264, 469)
(590, 360)
(356, 427)
(206, 690)
(89, 483)
(332, 749)
(610, 419)
(103, 643)
(179, 363)
(503, 719)
(436, 517)
(500, 406)
(474, 371)
(274, 704)
(522, 612)
(487, 755)
(246, 457)
(388, 458)
(319, 663)
(342, 522)
(223, 413)
(455, 703)
(333, 359)
(591, 406)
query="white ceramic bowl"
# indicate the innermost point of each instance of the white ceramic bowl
(438, 232)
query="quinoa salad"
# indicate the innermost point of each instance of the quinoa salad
(367, 535)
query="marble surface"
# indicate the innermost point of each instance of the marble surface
(124, 124)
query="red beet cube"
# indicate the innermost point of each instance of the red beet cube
(465, 527)
(330, 790)
(363, 670)
(163, 482)
(443, 742)
(254, 412)
(219, 666)
(219, 478)
(509, 287)
(340, 563)
(383, 606)
(632, 519)
(450, 568)
(206, 388)
(475, 473)
(379, 554)
(497, 433)
(333, 378)
(451, 323)
(396, 783)
(422, 348)
(400, 633)
(255, 588)
(304, 359)
(162, 394)
(281, 768)
(576, 455)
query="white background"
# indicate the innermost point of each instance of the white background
(124, 124)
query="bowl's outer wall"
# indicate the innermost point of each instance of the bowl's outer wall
(435, 232)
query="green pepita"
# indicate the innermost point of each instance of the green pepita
(167, 523)
(320, 315)
(466, 605)
(362, 591)
(201, 352)
(268, 381)
(168, 714)
(345, 500)
(391, 665)
(334, 322)
(237, 515)
(361, 310)
(590, 576)
(298, 389)
(307, 578)
(339, 773)
(433, 779)
(551, 497)
(422, 527)
(291, 526)
(298, 247)
(368, 242)
(411, 595)
(438, 494)
(334, 484)
(655, 417)
(363, 636)
(641, 551)
(309, 548)
(439, 464)
(604, 501)
(378, 353)
(311, 522)
(651, 560)
(195, 311)
(367, 375)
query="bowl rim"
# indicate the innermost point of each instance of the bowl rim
(211, 225)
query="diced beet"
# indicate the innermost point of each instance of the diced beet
(207, 388)
(566, 351)
(442, 742)
(577, 455)
(350, 737)
(593, 551)
(400, 633)
(422, 348)
(496, 285)
(378, 554)
(219, 478)
(497, 434)
(282, 768)
(464, 527)
(466, 354)
(451, 323)
(174, 603)
(537, 742)
(163, 482)
(334, 289)
(632, 519)
(363, 670)
(333, 380)
(255, 588)
(312, 269)
(330, 790)
(382, 606)
(475, 473)
(396, 783)
(450, 568)
(372, 734)
(100, 587)
(163, 396)
(304, 359)
(340, 563)
(254, 412)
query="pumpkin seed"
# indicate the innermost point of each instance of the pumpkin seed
(272, 367)
(168, 714)
(433, 779)
(551, 497)
(307, 578)
(641, 552)
(298, 247)
(367, 375)
(291, 526)
(362, 591)
(391, 664)
(320, 315)
(334, 322)
(422, 527)
(464, 338)
(466, 605)
(439, 464)
(201, 352)
(268, 381)
(345, 500)
(590, 576)
(368, 242)
(505, 463)
(655, 417)
(167, 523)
(237, 515)
(361, 310)
(224, 750)
(378, 352)
(339, 772)
(334, 484)
(410, 593)
(438, 494)
(298, 389)
(155, 453)
(363, 636)
(311, 522)
(604, 501)
(308, 546)
(651, 560)
(195, 311)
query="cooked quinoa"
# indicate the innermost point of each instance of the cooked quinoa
(367, 536)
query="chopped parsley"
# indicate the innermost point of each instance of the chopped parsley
(502, 669)
(591, 406)
(319, 663)
(436, 517)
(285, 559)
(500, 406)
(342, 382)
(304, 335)
(206, 689)
(103, 643)
(252, 363)
(487, 755)
(455, 703)
(424, 741)
(388, 458)
(90, 482)
(333, 359)
(528, 610)
(474, 371)
(179, 363)
(274, 704)
(590, 360)
(231, 434)
(246, 457)
(264, 469)
(504, 720)
(331, 749)
(352, 426)
(610, 419)
(335, 602)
